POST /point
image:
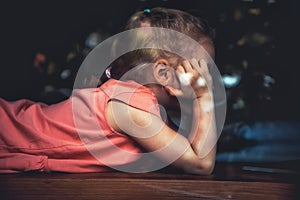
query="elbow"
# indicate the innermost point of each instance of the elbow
(192, 164)
(203, 167)
(208, 167)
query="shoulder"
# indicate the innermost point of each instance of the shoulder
(132, 94)
(130, 120)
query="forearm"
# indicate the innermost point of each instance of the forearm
(204, 137)
(200, 157)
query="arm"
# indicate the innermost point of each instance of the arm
(153, 134)
(205, 136)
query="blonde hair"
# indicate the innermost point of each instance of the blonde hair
(174, 19)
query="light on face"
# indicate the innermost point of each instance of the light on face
(185, 78)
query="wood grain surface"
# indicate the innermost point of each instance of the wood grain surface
(227, 182)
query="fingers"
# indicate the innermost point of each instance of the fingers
(187, 66)
(194, 78)
(185, 77)
(206, 74)
(188, 72)
(203, 65)
(195, 63)
(180, 70)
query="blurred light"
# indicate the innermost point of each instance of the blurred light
(245, 64)
(39, 59)
(51, 68)
(260, 38)
(254, 11)
(147, 10)
(268, 81)
(65, 74)
(239, 104)
(254, 39)
(93, 40)
(242, 41)
(231, 80)
(48, 88)
(70, 56)
(238, 15)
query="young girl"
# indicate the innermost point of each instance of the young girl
(129, 124)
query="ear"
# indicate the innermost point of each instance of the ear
(162, 72)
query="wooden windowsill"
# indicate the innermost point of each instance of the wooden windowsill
(229, 181)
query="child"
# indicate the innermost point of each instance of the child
(63, 137)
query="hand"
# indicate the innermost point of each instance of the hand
(195, 79)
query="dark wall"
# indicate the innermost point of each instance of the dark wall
(52, 27)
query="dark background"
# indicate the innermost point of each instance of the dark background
(53, 28)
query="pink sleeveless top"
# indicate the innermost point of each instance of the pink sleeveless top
(73, 135)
